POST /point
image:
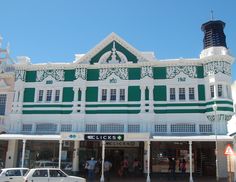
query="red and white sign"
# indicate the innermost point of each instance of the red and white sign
(229, 150)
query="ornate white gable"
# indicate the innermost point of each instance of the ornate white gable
(113, 56)
(3, 84)
(111, 38)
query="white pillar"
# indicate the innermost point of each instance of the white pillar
(234, 159)
(83, 99)
(142, 98)
(75, 162)
(190, 162)
(148, 162)
(75, 102)
(103, 157)
(11, 155)
(23, 154)
(59, 157)
(151, 101)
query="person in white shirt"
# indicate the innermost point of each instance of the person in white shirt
(107, 167)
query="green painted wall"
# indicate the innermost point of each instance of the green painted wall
(159, 72)
(134, 73)
(29, 95)
(30, 76)
(69, 75)
(68, 94)
(134, 93)
(201, 92)
(160, 93)
(92, 94)
(200, 72)
(129, 55)
(92, 74)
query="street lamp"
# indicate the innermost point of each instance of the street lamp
(216, 142)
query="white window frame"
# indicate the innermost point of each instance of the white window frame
(190, 89)
(122, 91)
(182, 94)
(212, 93)
(57, 95)
(40, 95)
(104, 95)
(49, 95)
(3, 103)
(172, 94)
(220, 92)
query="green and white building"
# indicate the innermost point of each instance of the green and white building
(162, 109)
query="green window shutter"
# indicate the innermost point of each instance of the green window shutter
(92, 94)
(29, 94)
(68, 94)
(92, 74)
(160, 93)
(200, 73)
(69, 75)
(201, 92)
(146, 94)
(134, 73)
(30, 76)
(134, 93)
(159, 72)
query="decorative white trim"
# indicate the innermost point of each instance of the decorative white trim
(20, 74)
(57, 74)
(216, 67)
(146, 71)
(122, 73)
(110, 38)
(113, 54)
(172, 71)
(81, 73)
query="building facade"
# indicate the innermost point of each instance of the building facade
(161, 109)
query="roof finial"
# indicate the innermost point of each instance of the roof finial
(212, 15)
(1, 40)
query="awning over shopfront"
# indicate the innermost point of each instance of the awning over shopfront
(208, 138)
(29, 137)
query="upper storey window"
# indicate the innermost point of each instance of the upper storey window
(122, 94)
(181, 93)
(212, 91)
(40, 96)
(191, 93)
(49, 95)
(220, 91)
(113, 95)
(172, 94)
(57, 95)
(3, 99)
(104, 94)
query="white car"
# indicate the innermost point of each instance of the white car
(12, 174)
(50, 175)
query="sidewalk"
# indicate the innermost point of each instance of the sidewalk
(163, 179)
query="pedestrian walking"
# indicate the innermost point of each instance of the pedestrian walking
(107, 168)
(90, 165)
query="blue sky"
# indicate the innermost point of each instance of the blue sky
(55, 30)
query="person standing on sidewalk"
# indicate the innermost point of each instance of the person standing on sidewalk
(91, 169)
(107, 168)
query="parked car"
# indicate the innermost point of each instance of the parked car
(50, 175)
(12, 174)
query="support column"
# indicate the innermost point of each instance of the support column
(190, 162)
(103, 158)
(148, 162)
(151, 101)
(234, 158)
(11, 155)
(83, 99)
(23, 154)
(59, 157)
(142, 98)
(21, 97)
(75, 162)
(75, 102)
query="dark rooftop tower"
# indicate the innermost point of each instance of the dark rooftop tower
(214, 34)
